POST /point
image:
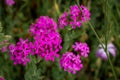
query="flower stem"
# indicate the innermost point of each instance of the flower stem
(115, 77)
(105, 49)
(107, 35)
(96, 35)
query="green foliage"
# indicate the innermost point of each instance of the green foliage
(32, 72)
(3, 37)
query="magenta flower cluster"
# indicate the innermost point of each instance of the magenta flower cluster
(62, 21)
(46, 38)
(47, 41)
(2, 78)
(46, 44)
(43, 24)
(75, 17)
(82, 48)
(70, 62)
(19, 52)
(10, 2)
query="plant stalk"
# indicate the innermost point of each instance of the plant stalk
(105, 49)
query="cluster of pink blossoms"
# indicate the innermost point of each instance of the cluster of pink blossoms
(82, 48)
(47, 41)
(2, 78)
(75, 17)
(46, 38)
(71, 62)
(43, 24)
(9, 2)
(19, 52)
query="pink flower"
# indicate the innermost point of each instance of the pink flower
(2, 78)
(76, 17)
(102, 54)
(70, 62)
(4, 49)
(19, 52)
(43, 25)
(9, 2)
(63, 20)
(47, 45)
(85, 14)
(82, 48)
(47, 41)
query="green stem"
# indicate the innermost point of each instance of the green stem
(107, 36)
(105, 49)
(78, 2)
(96, 35)
(115, 77)
(110, 59)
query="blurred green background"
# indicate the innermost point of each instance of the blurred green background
(15, 21)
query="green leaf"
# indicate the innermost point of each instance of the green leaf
(32, 73)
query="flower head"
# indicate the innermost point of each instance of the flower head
(19, 52)
(47, 45)
(9, 2)
(76, 17)
(4, 49)
(2, 78)
(44, 24)
(70, 62)
(102, 54)
(47, 41)
(82, 48)
(85, 14)
(63, 20)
